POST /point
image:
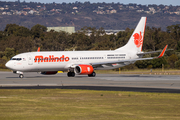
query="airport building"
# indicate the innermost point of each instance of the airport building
(107, 32)
(72, 30)
(58, 29)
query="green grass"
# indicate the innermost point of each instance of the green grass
(48, 104)
(5, 70)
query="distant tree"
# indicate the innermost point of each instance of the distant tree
(178, 46)
(123, 37)
(143, 64)
(174, 31)
(22, 31)
(177, 64)
(172, 59)
(38, 31)
(1, 35)
(174, 35)
(13, 29)
(9, 53)
(157, 63)
(2, 63)
(10, 29)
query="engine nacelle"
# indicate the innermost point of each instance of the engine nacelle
(49, 72)
(83, 69)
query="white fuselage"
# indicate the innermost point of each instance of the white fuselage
(63, 60)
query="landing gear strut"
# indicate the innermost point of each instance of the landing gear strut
(20, 73)
(92, 75)
(70, 74)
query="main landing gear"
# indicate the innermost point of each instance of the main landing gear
(92, 75)
(70, 74)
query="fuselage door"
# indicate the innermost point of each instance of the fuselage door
(30, 60)
(105, 57)
(79, 59)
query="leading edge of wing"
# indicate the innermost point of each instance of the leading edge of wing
(131, 60)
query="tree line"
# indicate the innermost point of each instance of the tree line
(17, 39)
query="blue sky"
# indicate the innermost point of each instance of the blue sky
(143, 2)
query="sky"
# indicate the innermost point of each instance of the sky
(142, 2)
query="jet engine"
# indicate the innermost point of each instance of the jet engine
(83, 69)
(49, 72)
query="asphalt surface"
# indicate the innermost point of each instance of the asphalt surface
(118, 82)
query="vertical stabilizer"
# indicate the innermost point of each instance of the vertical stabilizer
(135, 42)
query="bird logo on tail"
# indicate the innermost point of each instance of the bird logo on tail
(138, 40)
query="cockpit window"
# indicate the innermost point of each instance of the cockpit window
(18, 59)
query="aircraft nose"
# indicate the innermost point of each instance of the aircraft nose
(8, 65)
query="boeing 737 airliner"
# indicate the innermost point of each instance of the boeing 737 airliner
(82, 62)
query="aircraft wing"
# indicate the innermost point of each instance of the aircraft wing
(129, 60)
(143, 53)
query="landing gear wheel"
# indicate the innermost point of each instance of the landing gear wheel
(70, 74)
(21, 76)
(92, 75)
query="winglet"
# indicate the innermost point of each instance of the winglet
(38, 50)
(163, 51)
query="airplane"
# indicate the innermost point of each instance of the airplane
(83, 62)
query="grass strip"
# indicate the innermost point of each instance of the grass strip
(42, 104)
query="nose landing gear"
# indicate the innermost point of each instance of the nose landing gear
(20, 74)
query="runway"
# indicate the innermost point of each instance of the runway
(143, 83)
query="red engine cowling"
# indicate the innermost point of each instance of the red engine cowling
(83, 69)
(49, 72)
